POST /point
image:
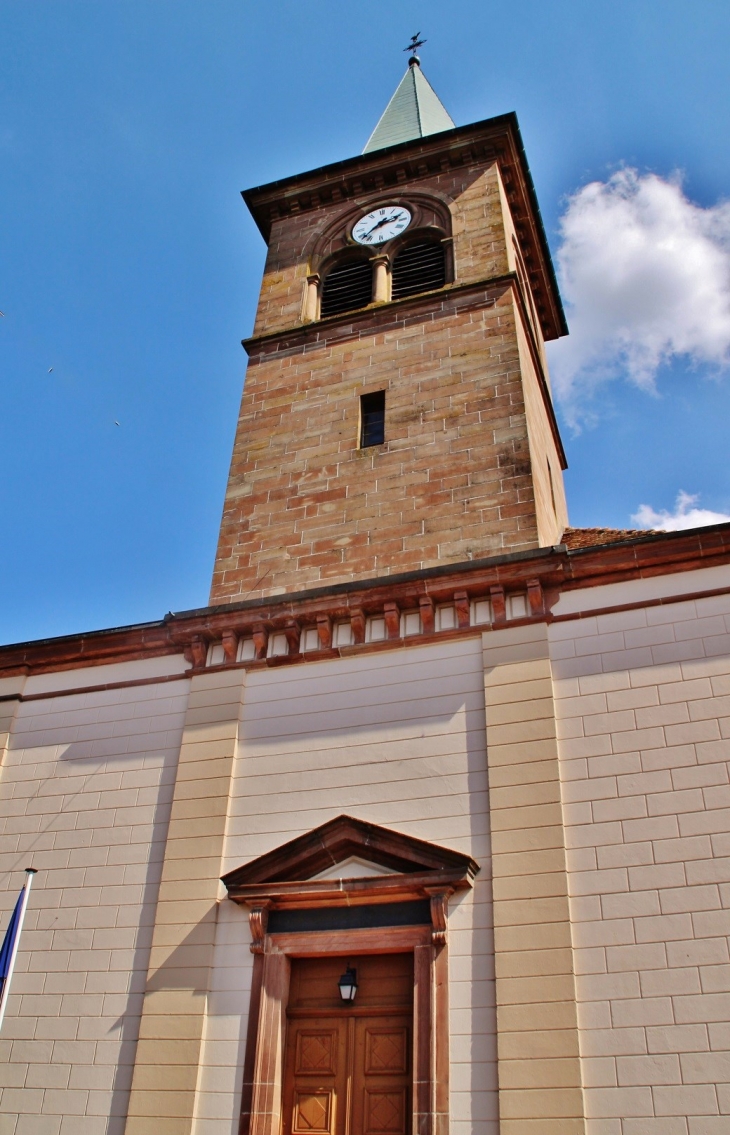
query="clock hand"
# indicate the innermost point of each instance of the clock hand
(385, 221)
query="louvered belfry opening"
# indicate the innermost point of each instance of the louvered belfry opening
(419, 267)
(347, 287)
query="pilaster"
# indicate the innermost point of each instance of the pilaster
(540, 1090)
(168, 1052)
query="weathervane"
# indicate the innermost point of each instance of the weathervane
(412, 47)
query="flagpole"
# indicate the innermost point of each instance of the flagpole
(29, 873)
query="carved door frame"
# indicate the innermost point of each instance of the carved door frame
(290, 879)
(263, 1069)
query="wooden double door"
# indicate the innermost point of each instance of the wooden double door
(348, 1068)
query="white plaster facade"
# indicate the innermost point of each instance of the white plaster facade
(397, 736)
(643, 706)
(85, 792)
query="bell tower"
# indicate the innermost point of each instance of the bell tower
(396, 414)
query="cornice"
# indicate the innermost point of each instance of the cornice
(376, 317)
(493, 139)
(540, 574)
(303, 858)
(347, 892)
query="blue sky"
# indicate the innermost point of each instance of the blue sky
(130, 266)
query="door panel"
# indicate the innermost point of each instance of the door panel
(381, 1076)
(315, 1077)
(313, 1112)
(316, 1051)
(383, 980)
(348, 1067)
(385, 1112)
(386, 1050)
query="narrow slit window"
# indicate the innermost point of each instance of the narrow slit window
(372, 419)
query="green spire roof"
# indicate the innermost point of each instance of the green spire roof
(414, 111)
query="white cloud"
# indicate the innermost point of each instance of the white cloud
(684, 515)
(646, 277)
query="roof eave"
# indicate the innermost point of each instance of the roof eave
(659, 552)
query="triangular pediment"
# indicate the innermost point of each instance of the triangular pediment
(364, 850)
(354, 868)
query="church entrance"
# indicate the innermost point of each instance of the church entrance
(348, 1065)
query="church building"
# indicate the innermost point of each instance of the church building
(422, 825)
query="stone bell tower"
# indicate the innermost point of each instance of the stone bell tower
(396, 414)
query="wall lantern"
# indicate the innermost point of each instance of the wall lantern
(348, 984)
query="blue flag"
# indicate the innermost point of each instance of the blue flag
(6, 951)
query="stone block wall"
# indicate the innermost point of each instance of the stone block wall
(458, 475)
(453, 481)
(396, 738)
(643, 700)
(585, 764)
(85, 793)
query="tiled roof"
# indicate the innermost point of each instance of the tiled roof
(414, 111)
(574, 538)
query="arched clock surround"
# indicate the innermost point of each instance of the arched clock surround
(427, 211)
(430, 216)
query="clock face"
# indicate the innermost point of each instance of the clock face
(381, 225)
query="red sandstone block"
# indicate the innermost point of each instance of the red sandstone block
(453, 387)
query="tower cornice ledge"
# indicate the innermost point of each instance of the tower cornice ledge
(376, 316)
(539, 575)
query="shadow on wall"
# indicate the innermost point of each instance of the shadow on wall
(127, 1025)
(182, 972)
(228, 1002)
